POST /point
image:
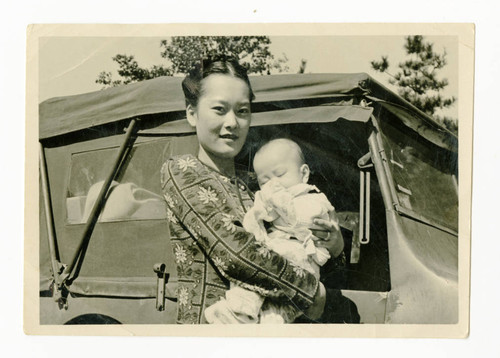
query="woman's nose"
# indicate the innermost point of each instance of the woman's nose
(230, 120)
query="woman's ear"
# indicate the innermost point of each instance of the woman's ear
(191, 115)
(304, 169)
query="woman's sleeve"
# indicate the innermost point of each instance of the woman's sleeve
(203, 206)
(338, 309)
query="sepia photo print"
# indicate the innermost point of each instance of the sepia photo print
(281, 179)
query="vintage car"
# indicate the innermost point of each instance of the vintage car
(388, 168)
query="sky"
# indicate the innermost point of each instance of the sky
(70, 65)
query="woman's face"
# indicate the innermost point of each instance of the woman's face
(222, 116)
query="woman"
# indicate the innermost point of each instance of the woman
(206, 204)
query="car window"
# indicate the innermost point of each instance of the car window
(135, 195)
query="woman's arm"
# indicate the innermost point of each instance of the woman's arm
(202, 204)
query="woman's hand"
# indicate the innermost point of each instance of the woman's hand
(329, 237)
(315, 311)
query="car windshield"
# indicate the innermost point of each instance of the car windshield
(424, 175)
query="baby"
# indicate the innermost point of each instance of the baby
(290, 205)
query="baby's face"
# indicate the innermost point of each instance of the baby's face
(281, 164)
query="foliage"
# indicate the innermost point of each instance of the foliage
(417, 78)
(130, 71)
(252, 51)
(183, 52)
(449, 123)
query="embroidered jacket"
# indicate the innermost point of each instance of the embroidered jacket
(211, 248)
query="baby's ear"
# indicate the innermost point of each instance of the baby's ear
(191, 115)
(304, 169)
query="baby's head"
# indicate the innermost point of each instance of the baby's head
(282, 160)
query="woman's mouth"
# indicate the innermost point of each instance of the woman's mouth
(228, 136)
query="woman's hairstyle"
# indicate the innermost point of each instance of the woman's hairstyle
(192, 83)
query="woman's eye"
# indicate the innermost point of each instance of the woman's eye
(219, 109)
(244, 110)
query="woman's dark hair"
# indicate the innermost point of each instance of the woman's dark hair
(192, 83)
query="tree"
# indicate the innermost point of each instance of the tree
(417, 78)
(183, 52)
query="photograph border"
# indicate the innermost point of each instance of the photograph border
(466, 40)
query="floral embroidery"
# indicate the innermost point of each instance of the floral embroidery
(180, 254)
(299, 271)
(185, 164)
(264, 252)
(195, 231)
(192, 236)
(228, 223)
(169, 200)
(171, 217)
(183, 296)
(220, 263)
(207, 195)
